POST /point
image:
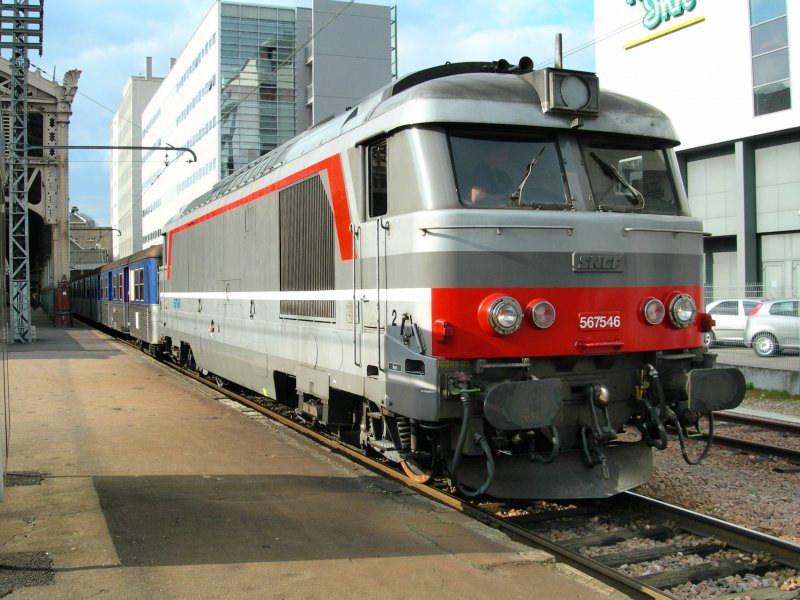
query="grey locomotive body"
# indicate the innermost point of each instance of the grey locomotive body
(481, 270)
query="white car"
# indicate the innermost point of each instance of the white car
(774, 326)
(730, 318)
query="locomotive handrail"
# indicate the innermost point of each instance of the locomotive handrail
(356, 231)
(499, 228)
(380, 225)
(628, 230)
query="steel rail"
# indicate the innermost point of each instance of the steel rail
(775, 424)
(740, 537)
(756, 447)
(789, 454)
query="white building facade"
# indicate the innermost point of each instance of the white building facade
(251, 77)
(126, 167)
(728, 75)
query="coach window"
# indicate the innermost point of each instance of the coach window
(378, 179)
(138, 284)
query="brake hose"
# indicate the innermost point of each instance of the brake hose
(466, 404)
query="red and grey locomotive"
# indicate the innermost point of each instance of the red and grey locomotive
(482, 270)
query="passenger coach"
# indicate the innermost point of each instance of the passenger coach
(123, 295)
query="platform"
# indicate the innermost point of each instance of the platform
(156, 488)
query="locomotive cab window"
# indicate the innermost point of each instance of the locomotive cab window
(628, 176)
(378, 179)
(504, 172)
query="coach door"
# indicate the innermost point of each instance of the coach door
(371, 267)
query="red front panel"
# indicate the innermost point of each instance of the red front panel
(588, 321)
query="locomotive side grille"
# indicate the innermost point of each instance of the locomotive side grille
(307, 247)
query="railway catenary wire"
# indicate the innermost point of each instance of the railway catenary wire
(717, 549)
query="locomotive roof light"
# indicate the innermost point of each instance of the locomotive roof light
(573, 93)
(502, 314)
(563, 91)
(682, 310)
(654, 311)
(542, 313)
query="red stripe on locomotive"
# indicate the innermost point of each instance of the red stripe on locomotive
(341, 210)
(468, 339)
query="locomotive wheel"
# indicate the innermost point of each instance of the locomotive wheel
(765, 344)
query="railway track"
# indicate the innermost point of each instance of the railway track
(674, 550)
(743, 428)
(656, 550)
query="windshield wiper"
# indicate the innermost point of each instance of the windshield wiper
(610, 171)
(516, 195)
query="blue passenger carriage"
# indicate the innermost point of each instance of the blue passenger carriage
(142, 297)
(129, 295)
(86, 295)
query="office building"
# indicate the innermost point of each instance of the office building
(126, 164)
(251, 77)
(728, 74)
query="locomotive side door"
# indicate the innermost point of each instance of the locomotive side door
(371, 298)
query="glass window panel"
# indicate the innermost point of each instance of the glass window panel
(769, 36)
(763, 10)
(771, 67)
(626, 175)
(268, 12)
(494, 171)
(378, 176)
(230, 10)
(772, 98)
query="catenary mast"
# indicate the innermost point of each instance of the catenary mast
(21, 25)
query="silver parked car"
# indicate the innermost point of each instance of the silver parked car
(774, 326)
(730, 317)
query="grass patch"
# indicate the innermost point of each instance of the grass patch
(755, 394)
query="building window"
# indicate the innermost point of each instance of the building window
(769, 42)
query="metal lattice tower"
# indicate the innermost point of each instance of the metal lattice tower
(21, 25)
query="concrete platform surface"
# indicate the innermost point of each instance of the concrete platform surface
(156, 488)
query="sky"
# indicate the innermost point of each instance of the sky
(108, 40)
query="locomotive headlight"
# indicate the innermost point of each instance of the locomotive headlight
(502, 314)
(654, 311)
(682, 310)
(542, 313)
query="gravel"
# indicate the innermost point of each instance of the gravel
(729, 484)
(742, 488)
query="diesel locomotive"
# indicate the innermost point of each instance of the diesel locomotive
(483, 271)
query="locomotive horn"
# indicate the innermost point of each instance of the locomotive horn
(525, 65)
(502, 66)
